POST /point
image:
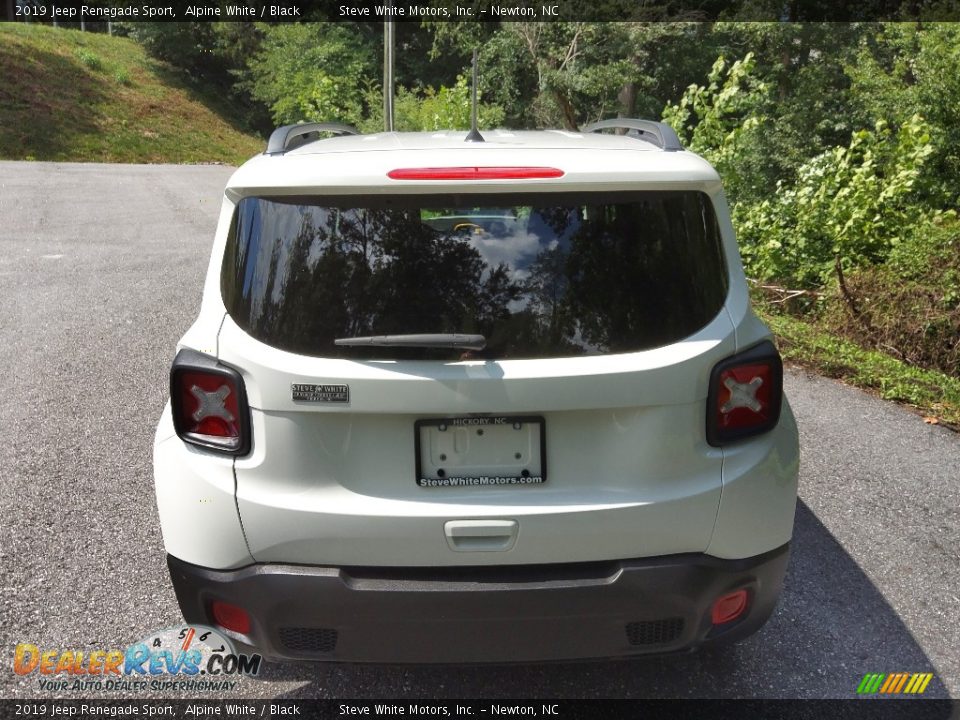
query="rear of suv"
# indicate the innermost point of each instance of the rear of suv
(453, 401)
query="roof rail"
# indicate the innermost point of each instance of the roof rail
(286, 137)
(658, 133)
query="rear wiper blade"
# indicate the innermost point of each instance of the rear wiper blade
(424, 340)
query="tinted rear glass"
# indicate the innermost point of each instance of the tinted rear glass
(536, 275)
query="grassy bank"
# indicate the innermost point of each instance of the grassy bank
(79, 96)
(934, 395)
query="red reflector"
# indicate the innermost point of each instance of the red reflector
(474, 173)
(230, 617)
(729, 607)
(744, 395)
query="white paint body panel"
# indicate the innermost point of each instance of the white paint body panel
(196, 499)
(629, 471)
(328, 485)
(759, 496)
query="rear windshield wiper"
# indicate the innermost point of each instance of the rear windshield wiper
(424, 340)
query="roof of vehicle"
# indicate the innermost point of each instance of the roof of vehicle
(454, 139)
(587, 160)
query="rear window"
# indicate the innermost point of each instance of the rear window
(551, 275)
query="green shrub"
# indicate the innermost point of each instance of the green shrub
(90, 59)
(311, 71)
(931, 392)
(849, 207)
(717, 120)
(910, 320)
(448, 108)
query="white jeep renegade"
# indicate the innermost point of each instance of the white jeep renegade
(499, 400)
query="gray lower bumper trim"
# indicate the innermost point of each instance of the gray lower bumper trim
(500, 614)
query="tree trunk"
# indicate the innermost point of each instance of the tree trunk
(566, 109)
(844, 290)
(628, 100)
(782, 84)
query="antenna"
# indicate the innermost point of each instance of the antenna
(474, 134)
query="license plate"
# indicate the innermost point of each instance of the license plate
(498, 451)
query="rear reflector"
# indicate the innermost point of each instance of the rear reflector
(230, 617)
(208, 403)
(474, 173)
(745, 396)
(728, 608)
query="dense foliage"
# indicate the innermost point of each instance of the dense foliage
(839, 143)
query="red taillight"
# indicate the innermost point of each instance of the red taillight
(728, 608)
(743, 397)
(746, 392)
(208, 403)
(230, 617)
(474, 173)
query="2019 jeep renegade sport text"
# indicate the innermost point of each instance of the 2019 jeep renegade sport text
(476, 401)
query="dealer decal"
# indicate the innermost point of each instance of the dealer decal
(302, 392)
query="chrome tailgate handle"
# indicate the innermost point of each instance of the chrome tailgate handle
(481, 535)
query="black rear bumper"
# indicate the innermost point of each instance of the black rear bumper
(499, 614)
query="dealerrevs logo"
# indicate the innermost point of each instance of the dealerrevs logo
(190, 657)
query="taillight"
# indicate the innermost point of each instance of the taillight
(209, 404)
(746, 392)
(475, 173)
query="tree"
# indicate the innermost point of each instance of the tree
(556, 74)
(848, 208)
(667, 57)
(810, 105)
(910, 69)
(313, 71)
(717, 120)
(446, 108)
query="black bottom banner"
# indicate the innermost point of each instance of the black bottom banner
(892, 709)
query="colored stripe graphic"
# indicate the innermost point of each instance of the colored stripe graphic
(903, 681)
(890, 681)
(898, 683)
(894, 683)
(870, 683)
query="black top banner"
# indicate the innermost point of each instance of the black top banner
(486, 709)
(377, 11)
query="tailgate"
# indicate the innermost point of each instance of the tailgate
(618, 440)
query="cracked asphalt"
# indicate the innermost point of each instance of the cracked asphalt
(101, 268)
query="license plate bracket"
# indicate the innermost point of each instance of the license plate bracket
(481, 451)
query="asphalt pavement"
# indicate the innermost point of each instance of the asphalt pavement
(101, 269)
